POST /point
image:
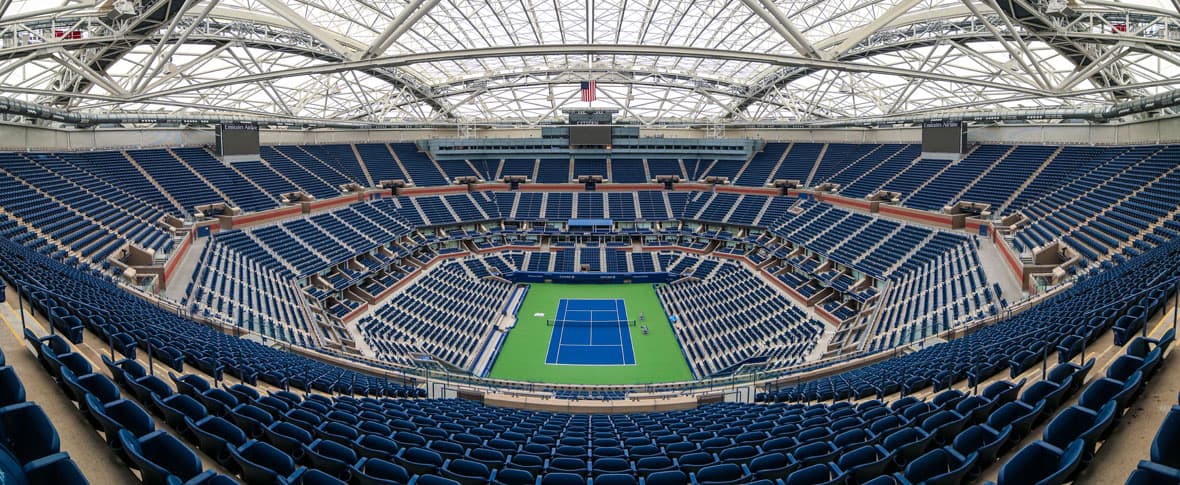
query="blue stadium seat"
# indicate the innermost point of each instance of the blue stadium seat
(27, 432)
(178, 409)
(467, 472)
(940, 466)
(865, 463)
(55, 469)
(264, 464)
(119, 416)
(1150, 473)
(330, 457)
(670, 477)
(1015, 418)
(161, 458)
(374, 446)
(510, 476)
(906, 444)
(215, 436)
(1165, 448)
(420, 460)
(1104, 390)
(983, 441)
(1042, 463)
(1076, 422)
(817, 474)
(721, 474)
(375, 471)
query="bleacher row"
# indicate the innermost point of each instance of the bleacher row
(456, 328)
(449, 313)
(947, 437)
(945, 295)
(244, 291)
(873, 245)
(731, 316)
(71, 205)
(1068, 187)
(77, 298)
(30, 448)
(1121, 297)
(370, 246)
(1110, 205)
(264, 437)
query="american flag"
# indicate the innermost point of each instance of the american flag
(588, 91)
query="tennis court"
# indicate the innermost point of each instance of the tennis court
(591, 332)
(525, 352)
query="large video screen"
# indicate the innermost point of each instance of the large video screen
(944, 138)
(590, 135)
(237, 140)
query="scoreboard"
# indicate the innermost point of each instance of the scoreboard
(945, 137)
(237, 139)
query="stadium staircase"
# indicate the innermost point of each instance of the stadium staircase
(311, 248)
(778, 163)
(452, 211)
(1016, 193)
(102, 189)
(868, 173)
(820, 232)
(983, 174)
(398, 162)
(815, 166)
(330, 166)
(515, 206)
(854, 165)
(253, 182)
(184, 163)
(1105, 181)
(293, 159)
(74, 213)
(1080, 180)
(762, 211)
(733, 208)
(281, 175)
(936, 175)
(364, 168)
(154, 183)
(746, 165)
(899, 173)
(1150, 227)
(916, 250)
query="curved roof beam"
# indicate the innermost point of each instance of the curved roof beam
(623, 50)
(878, 37)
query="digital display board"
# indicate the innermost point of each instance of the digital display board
(237, 139)
(944, 138)
(596, 135)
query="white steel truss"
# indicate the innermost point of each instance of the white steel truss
(521, 61)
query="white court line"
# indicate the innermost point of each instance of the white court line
(560, 336)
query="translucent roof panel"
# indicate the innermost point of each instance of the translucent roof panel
(521, 61)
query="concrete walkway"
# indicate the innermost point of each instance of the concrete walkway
(997, 270)
(85, 445)
(184, 272)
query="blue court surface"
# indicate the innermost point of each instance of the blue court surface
(590, 332)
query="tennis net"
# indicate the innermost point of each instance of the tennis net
(591, 323)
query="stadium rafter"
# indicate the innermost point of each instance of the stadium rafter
(425, 61)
